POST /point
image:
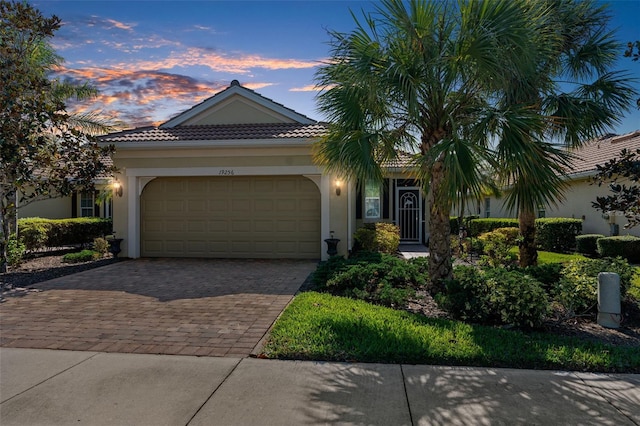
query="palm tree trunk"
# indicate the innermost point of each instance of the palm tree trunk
(528, 250)
(439, 228)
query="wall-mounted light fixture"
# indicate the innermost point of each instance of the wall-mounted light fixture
(117, 188)
(338, 187)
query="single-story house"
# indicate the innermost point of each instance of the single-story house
(582, 191)
(234, 177)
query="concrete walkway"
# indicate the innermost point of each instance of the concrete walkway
(47, 387)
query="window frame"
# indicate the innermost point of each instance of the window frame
(372, 203)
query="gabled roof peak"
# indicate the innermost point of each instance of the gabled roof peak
(235, 88)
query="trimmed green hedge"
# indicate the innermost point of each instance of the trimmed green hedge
(627, 247)
(480, 226)
(587, 244)
(557, 234)
(454, 223)
(37, 233)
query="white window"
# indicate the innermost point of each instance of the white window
(87, 204)
(372, 192)
(487, 207)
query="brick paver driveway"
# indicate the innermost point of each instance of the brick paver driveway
(159, 306)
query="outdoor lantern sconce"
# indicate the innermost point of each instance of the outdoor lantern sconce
(117, 188)
(338, 187)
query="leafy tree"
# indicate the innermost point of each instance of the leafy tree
(44, 151)
(419, 76)
(570, 96)
(623, 198)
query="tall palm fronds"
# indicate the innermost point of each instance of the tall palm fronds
(421, 76)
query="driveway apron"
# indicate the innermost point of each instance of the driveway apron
(157, 306)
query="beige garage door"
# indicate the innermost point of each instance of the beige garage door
(231, 217)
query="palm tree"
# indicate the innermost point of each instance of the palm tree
(419, 76)
(568, 98)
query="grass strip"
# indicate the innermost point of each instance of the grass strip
(322, 327)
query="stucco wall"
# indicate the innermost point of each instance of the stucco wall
(53, 208)
(576, 204)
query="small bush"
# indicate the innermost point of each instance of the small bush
(34, 233)
(557, 233)
(101, 245)
(378, 237)
(15, 251)
(547, 274)
(496, 246)
(587, 244)
(495, 295)
(389, 282)
(577, 290)
(81, 256)
(627, 247)
(481, 226)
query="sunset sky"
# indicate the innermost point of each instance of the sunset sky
(153, 59)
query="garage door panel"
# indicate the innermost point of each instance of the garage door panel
(263, 206)
(262, 217)
(197, 206)
(218, 205)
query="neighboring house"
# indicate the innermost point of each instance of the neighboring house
(582, 192)
(79, 204)
(234, 177)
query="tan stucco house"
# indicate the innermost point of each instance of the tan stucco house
(582, 191)
(234, 177)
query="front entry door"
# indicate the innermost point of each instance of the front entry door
(409, 214)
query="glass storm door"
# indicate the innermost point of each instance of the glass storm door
(409, 214)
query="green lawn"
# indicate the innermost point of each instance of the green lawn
(551, 257)
(323, 327)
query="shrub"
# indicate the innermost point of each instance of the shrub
(62, 232)
(587, 244)
(81, 256)
(627, 247)
(496, 246)
(493, 295)
(557, 233)
(547, 274)
(101, 245)
(33, 233)
(480, 226)
(378, 237)
(15, 251)
(389, 281)
(577, 290)
(456, 221)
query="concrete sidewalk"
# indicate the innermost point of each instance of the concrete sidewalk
(46, 387)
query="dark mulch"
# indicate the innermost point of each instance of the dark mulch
(43, 267)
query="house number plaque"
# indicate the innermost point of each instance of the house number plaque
(226, 172)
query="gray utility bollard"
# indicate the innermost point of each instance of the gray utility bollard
(609, 300)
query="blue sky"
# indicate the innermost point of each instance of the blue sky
(153, 59)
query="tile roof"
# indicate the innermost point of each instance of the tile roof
(403, 161)
(599, 151)
(219, 132)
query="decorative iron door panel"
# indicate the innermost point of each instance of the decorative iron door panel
(409, 214)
